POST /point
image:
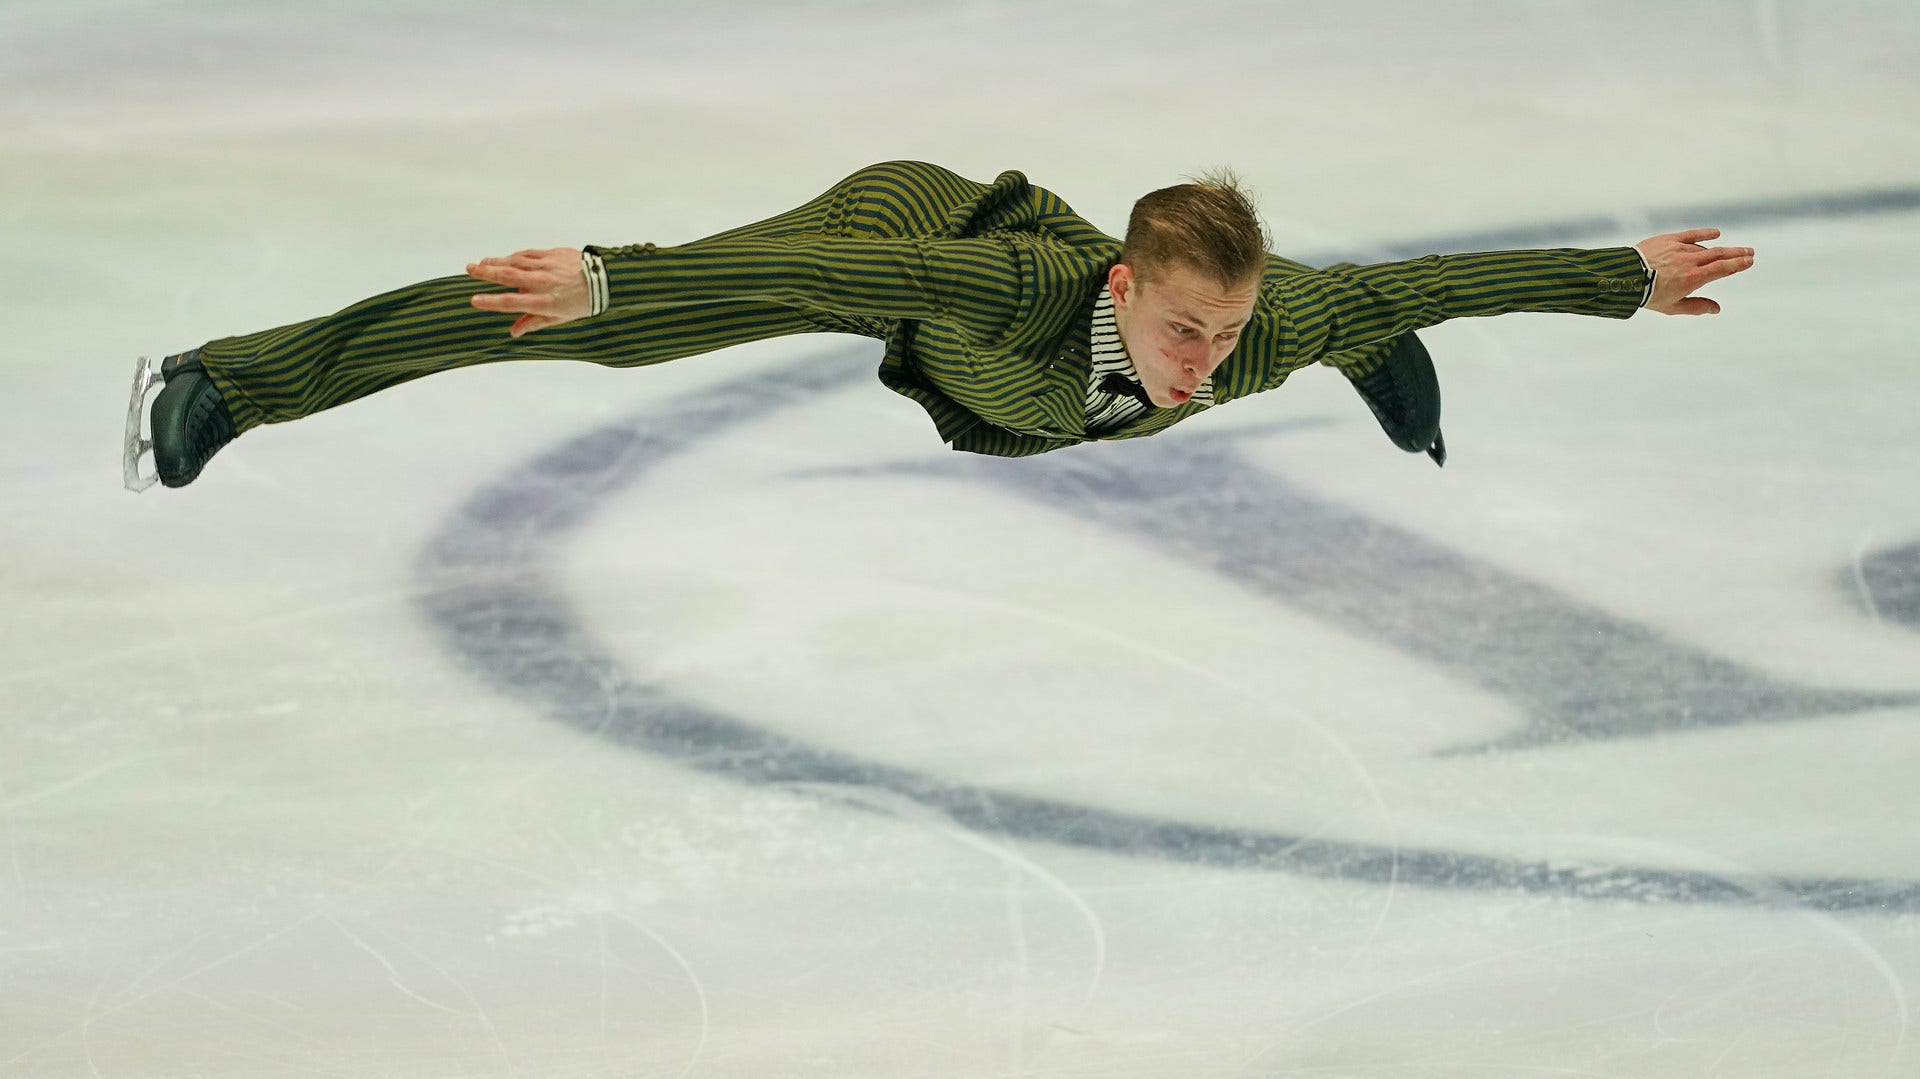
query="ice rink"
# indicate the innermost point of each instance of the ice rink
(715, 720)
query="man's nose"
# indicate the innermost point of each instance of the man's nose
(1197, 358)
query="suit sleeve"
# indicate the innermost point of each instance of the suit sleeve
(1346, 307)
(973, 284)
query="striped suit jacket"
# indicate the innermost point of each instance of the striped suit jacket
(984, 294)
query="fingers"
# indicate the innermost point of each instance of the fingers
(504, 271)
(1711, 265)
(535, 311)
(500, 271)
(1695, 236)
(512, 302)
(1723, 266)
(528, 321)
(549, 288)
(526, 324)
(521, 270)
(1687, 305)
(523, 264)
(528, 257)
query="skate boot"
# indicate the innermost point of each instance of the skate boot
(1404, 394)
(189, 423)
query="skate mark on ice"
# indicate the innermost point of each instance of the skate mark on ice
(179, 983)
(392, 972)
(901, 808)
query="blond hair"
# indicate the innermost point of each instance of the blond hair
(1208, 225)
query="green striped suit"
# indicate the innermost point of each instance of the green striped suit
(983, 294)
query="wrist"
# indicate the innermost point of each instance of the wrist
(1646, 295)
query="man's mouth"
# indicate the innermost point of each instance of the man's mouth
(1180, 396)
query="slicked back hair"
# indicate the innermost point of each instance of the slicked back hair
(1208, 225)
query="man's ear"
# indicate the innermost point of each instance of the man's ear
(1121, 279)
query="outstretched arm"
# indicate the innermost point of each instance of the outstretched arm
(1680, 266)
(974, 283)
(1345, 306)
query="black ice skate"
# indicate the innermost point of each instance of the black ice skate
(1404, 394)
(188, 424)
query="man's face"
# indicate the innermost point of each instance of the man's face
(1178, 327)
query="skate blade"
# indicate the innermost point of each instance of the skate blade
(139, 440)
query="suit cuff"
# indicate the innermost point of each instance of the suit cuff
(595, 271)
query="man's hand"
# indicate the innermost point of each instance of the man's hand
(552, 287)
(1680, 265)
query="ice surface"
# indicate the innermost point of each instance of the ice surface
(714, 720)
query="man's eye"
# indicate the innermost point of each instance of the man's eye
(1183, 330)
